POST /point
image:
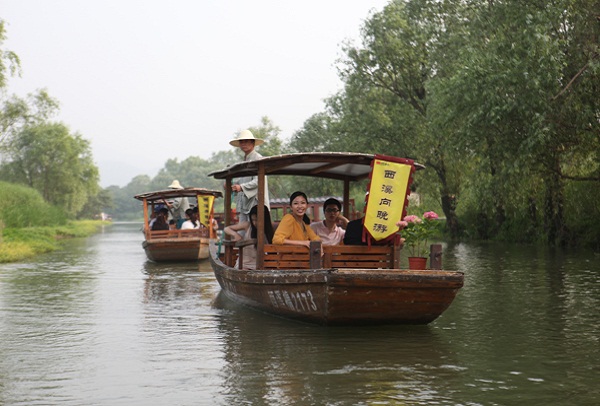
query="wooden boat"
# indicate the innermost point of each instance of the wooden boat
(346, 285)
(176, 245)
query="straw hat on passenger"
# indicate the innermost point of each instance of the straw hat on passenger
(175, 185)
(246, 135)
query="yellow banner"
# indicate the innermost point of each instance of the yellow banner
(205, 204)
(387, 197)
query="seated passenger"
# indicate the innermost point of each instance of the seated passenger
(160, 221)
(354, 233)
(332, 229)
(292, 229)
(192, 221)
(250, 232)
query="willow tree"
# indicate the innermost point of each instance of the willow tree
(48, 158)
(384, 106)
(521, 97)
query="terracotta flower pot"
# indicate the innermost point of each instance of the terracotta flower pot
(417, 263)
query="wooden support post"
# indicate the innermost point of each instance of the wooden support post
(228, 260)
(435, 256)
(315, 254)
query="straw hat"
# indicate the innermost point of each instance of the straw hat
(175, 185)
(246, 135)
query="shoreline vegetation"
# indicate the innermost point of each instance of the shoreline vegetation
(30, 226)
(17, 244)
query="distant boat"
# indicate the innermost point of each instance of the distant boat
(329, 285)
(174, 244)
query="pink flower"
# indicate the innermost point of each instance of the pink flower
(402, 224)
(412, 219)
(430, 215)
(417, 231)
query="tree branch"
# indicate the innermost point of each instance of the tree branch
(574, 78)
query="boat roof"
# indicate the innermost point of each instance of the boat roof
(171, 193)
(350, 166)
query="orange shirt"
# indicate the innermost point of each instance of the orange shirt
(290, 229)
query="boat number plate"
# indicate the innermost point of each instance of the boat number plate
(296, 301)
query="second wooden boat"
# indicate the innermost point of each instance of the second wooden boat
(176, 244)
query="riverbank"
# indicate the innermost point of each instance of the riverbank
(17, 244)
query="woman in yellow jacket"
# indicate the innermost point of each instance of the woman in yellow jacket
(292, 229)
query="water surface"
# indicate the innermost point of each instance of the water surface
(98, 324)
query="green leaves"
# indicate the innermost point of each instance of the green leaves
(48, 158)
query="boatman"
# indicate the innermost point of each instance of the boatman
(247, 187)
(178, 205)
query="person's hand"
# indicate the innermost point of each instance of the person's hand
(342, 221)
(236, 188)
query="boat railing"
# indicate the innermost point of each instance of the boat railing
(334, 256)
(171, 234)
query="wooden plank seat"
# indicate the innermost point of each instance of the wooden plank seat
(359, 256)
(286, 257)
(338, 256)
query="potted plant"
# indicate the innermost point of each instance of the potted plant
(416, 232)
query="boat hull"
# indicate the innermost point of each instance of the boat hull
(342, 296)
(167, 250)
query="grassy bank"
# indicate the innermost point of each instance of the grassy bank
(17, 244)
(30, 226)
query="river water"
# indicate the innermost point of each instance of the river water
(97, 324)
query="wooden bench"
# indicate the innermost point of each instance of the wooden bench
(360, 256)
(286, 257)
(337, 256)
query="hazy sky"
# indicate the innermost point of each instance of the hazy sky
(149, 80)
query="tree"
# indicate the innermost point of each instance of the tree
(58, 164)
(16, 112)
(268, 131)
(102, 202)
(10, 64)
(520, 94)
(315, 135)
(384, 104)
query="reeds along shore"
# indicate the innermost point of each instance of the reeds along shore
(17, 244)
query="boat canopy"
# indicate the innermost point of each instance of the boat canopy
(171, 193)
(346, 166)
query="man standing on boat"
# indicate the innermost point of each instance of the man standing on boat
(247, 187)
(178, 205)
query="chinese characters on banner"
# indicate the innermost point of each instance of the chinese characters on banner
(388, 190)
(205, 204)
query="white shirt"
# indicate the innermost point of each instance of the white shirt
(328, 237)
(188, 225)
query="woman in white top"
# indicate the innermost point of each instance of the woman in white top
(192, 221)
(250, 232)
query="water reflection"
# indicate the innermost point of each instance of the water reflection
(526, 315)
(45, 309)
(275, 361)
